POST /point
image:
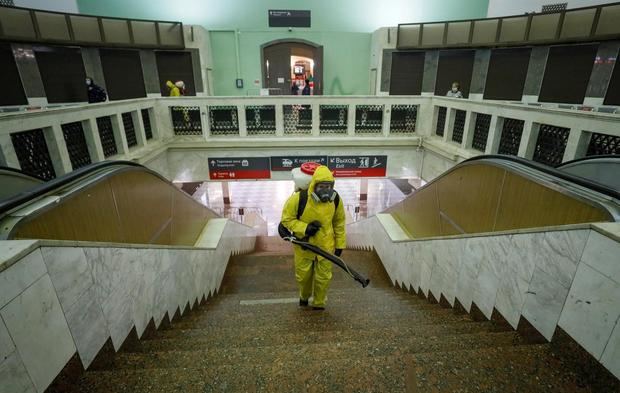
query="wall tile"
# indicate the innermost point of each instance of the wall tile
(37, 324)
(69, 272)
(6, 342)
(603, 254)
(14, 377)
(591, 309)
(611, 355)
(88, 326)
(18, 277)
(544, 301)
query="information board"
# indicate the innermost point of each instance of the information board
(286, 163)
(358, 166)
(224, 168)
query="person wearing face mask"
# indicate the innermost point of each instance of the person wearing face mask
(96, 93)
(455, 91)
(322, 223)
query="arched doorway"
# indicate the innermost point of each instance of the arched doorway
(289, 61)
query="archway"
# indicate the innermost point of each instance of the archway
(289, 61)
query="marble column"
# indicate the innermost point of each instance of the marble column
(479, 74)
(431, 63)
(535, 73)
(225, 193)
(601, 73)
(29, 73)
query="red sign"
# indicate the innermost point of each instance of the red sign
(232, 168)
(358, 166)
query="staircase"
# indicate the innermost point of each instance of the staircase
(253, 336)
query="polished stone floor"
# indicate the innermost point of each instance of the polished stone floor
(268, 197)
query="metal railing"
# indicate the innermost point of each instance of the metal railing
(131, 129)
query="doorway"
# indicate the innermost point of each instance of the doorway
(289, 63)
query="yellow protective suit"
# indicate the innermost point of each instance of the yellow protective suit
(174, 91)
(313, 272)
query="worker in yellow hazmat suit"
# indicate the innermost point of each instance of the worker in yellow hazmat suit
(323, 223)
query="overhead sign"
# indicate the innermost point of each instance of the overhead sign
(286, 163)
(358, 166)
(233, 168)
(289, 18)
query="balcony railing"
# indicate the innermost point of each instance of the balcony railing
(52, 142)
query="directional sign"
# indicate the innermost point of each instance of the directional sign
(358, 166)
(232, 168)
(289, 18)
(286, 163)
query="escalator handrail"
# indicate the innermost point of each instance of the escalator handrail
(21, 172)
(610, 192)
(588, 158)
(21, 198)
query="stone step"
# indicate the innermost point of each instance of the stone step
(190, 339)
(353, 292)
(349, 347)
(309, 318)
(526, 368)
(273, 332)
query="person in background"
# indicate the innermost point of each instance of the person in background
(455, 91)
(96, 93)
(295, 88)
(306, 89)
(177, 88)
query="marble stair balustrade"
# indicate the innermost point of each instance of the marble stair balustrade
(59, 298)
(567, 278)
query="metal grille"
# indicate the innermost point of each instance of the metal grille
(603, 144)
(106, 135)
(551, 144)
(459, 126)
(403, 119)
(260, 119)
(7, 2)
(146, 120)
(130, 131)
(481, 131)
(297, 119)
(186, 120)
(333, 119)
(368, 119)
(511, 136)
(32, 153)
(76, 144)
(441, 120)
(557, 7)
(224, 120)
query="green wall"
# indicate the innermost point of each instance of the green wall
(343, 27)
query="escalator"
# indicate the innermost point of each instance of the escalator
(604, 169)
(15, 181)
(501, 193)
(116, 201)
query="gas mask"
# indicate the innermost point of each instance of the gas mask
(324, 192)
(88, 82)
(455, 89)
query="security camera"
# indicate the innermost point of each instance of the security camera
(290, 29)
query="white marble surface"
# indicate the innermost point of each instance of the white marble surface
(611, 356)
(543, 302)
(6, 342)
(38, 327)
(511, 296)
(14, 377)
(492, 253)
(392, 227)
(69, 272)
(11, 250)
(591, 309)
(88, 326)
(211, 233)
(603, 254)
(559, 252)
(19, 276)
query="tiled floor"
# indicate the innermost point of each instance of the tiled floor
(268, 197)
